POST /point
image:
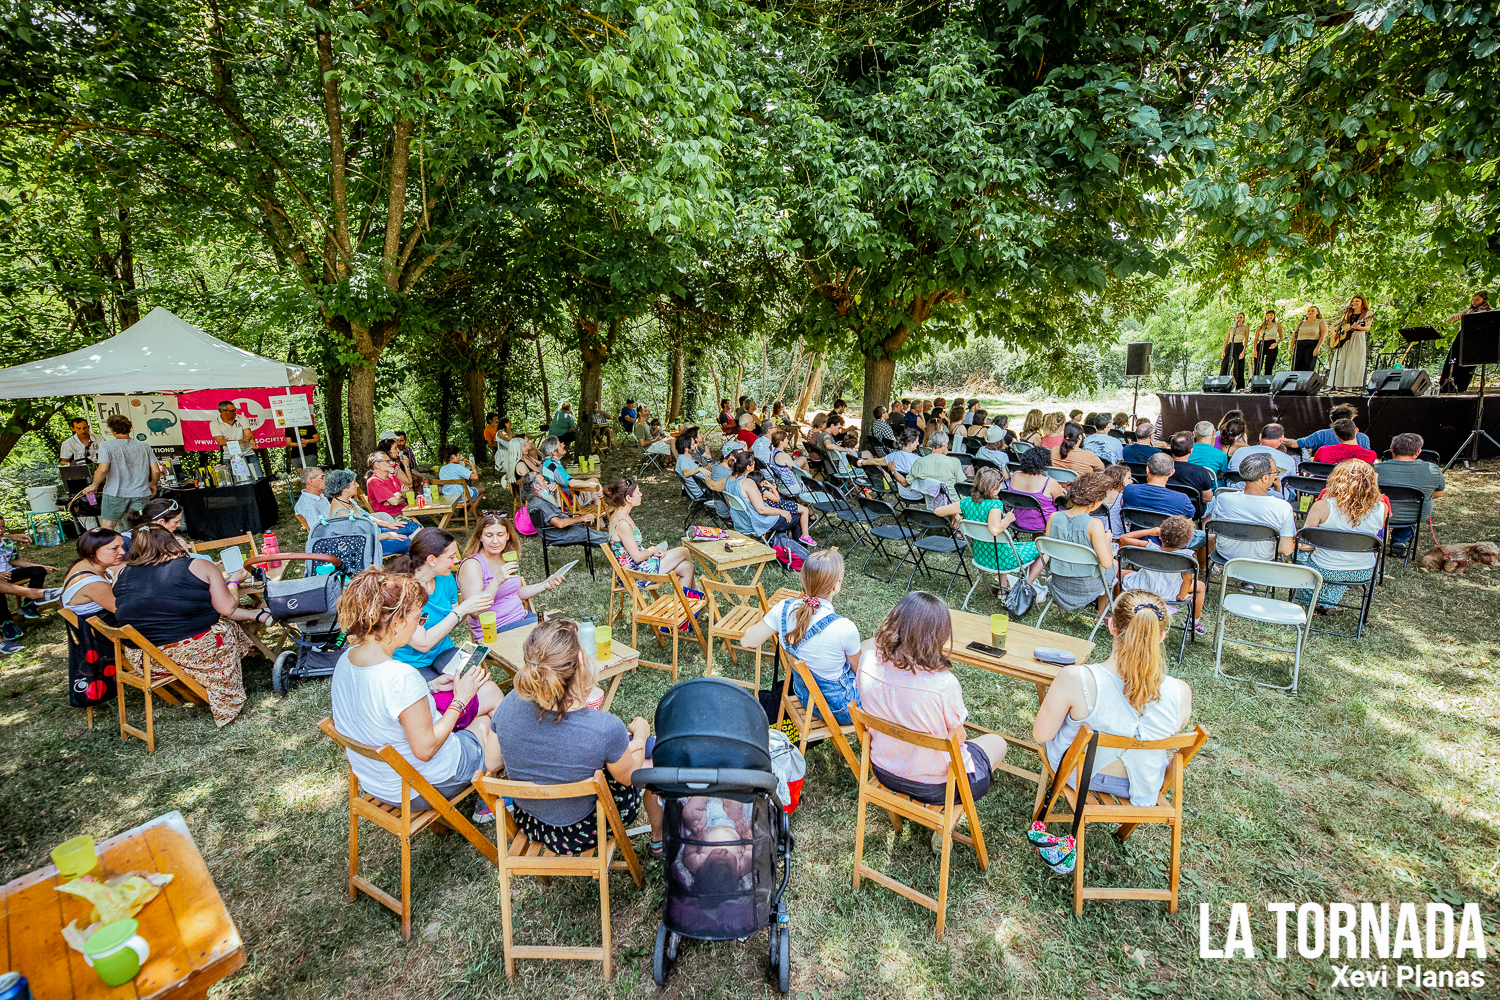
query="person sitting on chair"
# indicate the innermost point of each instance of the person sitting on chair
(1407, 468)
(1141, 451)
(1186, 472)
(813, 632)
(456, 466)
(1153, 494)
(624, 496)
(1070, 453)
(993, 450)
(1326, 436)
(760, 516)
(1130, 694)
(484, 564)
(312, 505)
(1173, 535)
(378, 699)
(342, 487)
(1347, 447)
(550, 735)
(983, 505)
(1073, 585)
(1101, 443)
(1204, 454)
(556, 450)
(1351, 502)
(540, 494)
(1031, 479)
(1272, 437)
(907, 680)
(177, 603)
(385, 486)
(1255, 504)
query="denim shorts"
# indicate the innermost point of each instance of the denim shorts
(839, 693)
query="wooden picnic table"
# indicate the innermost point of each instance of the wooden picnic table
(194, 943)
(441, 513)
(508, 645)
(715, 563)
(1017, 662)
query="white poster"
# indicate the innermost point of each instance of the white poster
(291, 411)
(153, 419)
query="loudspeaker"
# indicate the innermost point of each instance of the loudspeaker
(1260, 383)
(1297, 383)
(1138, 359)
(1399, 382)
(1479, 338)
(1218, 383)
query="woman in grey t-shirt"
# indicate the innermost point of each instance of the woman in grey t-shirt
(550, 735)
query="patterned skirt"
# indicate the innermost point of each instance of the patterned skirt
(211, 658)
(583, 835)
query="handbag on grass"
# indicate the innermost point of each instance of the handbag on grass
(1061, 853)
(1021, 597)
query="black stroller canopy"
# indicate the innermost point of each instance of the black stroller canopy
(710, 722)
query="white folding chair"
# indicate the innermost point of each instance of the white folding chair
(978, 534)
(1266, 610)
(1056, 548)
(1060, 474)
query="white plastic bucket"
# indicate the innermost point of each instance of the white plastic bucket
(43, 499)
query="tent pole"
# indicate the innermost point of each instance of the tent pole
(323, 409)
(297, 435)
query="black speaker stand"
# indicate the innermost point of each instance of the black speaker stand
(1472, 441)
(1133, 400)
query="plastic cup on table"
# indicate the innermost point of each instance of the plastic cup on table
(487, 626)
(411, 498)
(432, 494)
(999, 624)
(602, 638)
(116, 952)
(75, 857)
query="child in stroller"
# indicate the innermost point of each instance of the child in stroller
(724, 828)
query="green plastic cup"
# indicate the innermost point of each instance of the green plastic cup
(75, 857)
(116, 952)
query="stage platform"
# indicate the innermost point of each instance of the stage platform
(1443, 421)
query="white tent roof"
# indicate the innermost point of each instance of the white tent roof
(161, 353)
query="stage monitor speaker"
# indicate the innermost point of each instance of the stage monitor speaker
(1218, 383)
(1260, 383)
(1479, 338)
(1399, 382)
(1296, 383)
(1138, 359)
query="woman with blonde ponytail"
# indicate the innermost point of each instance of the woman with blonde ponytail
(1129, 694)
(550, 734)
(377, 699)
(816, 634)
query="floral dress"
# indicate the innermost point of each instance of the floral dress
(650, 565)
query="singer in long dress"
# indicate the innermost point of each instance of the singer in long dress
(1348, 371)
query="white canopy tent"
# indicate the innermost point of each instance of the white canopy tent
(161, 353)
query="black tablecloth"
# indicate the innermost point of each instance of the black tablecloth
(225, 511)
(1443, 421)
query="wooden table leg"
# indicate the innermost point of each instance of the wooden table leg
(614, 685)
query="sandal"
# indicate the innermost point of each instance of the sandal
(656, 849)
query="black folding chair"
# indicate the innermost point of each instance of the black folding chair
(1315, 469)
(539, 522)
(1137, 470)
(1193, 495)
(1346, 541)
(877, 512)
(1136, 518)
(701, 500)
(984, 463)
(935, 536)
(1022, 501)
(1158, 561)
(1406, 512)
(1426, 454)
(1303, 486)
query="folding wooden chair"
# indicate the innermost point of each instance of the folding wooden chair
(1100, 807)
(813, 728)
(463, 504)
(520, 856)
(303, 521)
(619, 586)
(174, 688)
(401, 821)
(673, 611)
(248, 538)
(72, 620)
(942, 818)
(732, 623)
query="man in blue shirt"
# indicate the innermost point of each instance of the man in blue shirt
(1100, 442)
(1143, 449)
(1326, 436)
(1153, 493)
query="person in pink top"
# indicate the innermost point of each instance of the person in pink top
(383, 487)
(484, 560)
(906, 679)
(1348, 446)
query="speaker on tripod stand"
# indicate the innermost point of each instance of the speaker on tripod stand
(1137, 366)
(1478, 344)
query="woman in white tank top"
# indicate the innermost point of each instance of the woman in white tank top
(1128, 694)
(1352, 502)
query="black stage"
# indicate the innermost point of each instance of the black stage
(1443, 421)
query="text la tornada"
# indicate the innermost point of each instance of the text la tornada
(1360, 931)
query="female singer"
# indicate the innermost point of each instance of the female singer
(1235, 340)
(1309, 340)
(1267, 343)
(1349, 345)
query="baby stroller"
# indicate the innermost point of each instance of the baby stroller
(724, 829)
(307, 607)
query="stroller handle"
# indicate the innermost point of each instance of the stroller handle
(676, 780)
(284, 556)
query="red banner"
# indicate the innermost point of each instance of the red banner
(253, 406)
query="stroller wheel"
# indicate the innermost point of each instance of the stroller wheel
(282, 676)
(784, 967)
(661, 962)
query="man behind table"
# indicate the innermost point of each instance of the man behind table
(81, 448)
(229, 426)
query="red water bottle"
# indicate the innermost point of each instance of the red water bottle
(268, 547)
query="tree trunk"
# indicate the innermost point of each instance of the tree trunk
(474, 384)
(129, 307)
(816, 367)
(879, 375)
(361, 412)
(690, 392)
(28, 415)
(594, 351)
(541, 367)
(445, 411)
(674, 398)
(333, 403)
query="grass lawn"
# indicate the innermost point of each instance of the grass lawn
(1375, 783)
